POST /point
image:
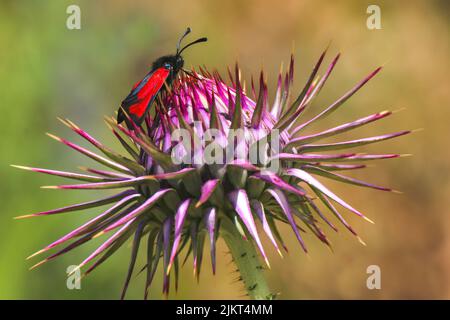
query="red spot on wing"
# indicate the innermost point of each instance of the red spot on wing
(148, 91)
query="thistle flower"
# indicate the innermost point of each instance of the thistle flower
(175, 204)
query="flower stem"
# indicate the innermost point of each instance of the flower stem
(246, 259)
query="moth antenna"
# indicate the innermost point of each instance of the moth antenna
(188, 30)
(204, 39)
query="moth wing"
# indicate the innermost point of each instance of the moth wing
(141, 96)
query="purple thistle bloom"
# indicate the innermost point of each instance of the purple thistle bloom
(181, 205)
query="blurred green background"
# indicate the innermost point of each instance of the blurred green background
(48, 71)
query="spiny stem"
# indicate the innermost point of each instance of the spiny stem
(248, 265)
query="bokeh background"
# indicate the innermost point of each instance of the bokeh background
(47, 71)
